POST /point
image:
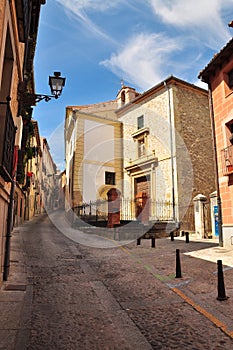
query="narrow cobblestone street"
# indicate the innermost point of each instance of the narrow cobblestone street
(127, 297)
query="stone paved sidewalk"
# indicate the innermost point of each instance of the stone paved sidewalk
(139, 285)
(14, 296)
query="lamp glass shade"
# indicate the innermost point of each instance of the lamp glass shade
(56, 84)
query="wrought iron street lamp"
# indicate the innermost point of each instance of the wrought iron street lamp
(56, 83)
(28, 99)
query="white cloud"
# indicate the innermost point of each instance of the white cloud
(146, 59)
(200, 17)
(97, 5)
(201, 84)
(78, 10)
(143, 59)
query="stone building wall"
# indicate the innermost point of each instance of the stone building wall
(193, 127)
(155, 112)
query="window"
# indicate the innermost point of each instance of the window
(109, 178)
(123, 98)
(141, 122)
(231, 135)
(141, 148)
(229, 131)
(230, 79)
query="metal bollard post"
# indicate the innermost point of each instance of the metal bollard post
(187, 237)
(152, 242)
(172, 236)
(138, 241)
(221, 287)
(178, 266)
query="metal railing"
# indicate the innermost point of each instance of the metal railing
(159, 210)
(93, 210)
(227, 160)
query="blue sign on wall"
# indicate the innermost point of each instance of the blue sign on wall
(216, 220)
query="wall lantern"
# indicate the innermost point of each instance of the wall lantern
(56, 83)
(27, 99)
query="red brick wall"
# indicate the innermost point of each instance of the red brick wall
(223, 113)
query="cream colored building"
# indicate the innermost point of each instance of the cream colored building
(93, 152)
(32, 186)
(157, 145)
(49, 178)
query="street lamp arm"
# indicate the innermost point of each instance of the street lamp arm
(47, 98)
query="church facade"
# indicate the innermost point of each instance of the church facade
(154, 147)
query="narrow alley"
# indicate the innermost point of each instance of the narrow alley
(69, 296)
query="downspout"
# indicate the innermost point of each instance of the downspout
(216, 168)
(171, 150)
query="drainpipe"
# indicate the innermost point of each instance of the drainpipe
(172, 156)
(216, 168)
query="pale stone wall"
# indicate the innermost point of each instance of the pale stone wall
(156, 118)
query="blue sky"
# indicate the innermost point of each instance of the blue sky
(97, 43)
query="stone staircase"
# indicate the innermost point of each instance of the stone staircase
(128, 230)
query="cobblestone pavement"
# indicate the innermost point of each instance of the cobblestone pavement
(127, 297)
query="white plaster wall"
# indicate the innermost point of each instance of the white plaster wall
(93, 180)
(98, 157)
(98, 141)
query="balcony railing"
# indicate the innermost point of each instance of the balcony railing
(7, 141)
(227, 160)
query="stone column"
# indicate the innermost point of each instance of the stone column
(199, 202)
(153, 193)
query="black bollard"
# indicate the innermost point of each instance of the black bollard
(221, 287)
(187, 237)
(172, 236)
(138, 241)
(152, 242)
(178, 266)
